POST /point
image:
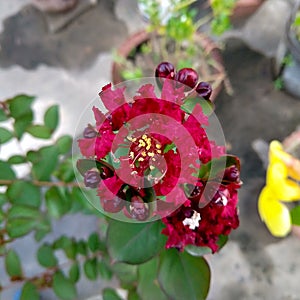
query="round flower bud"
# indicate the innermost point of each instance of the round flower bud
(204, 90)
(232, 174)
(106, 172)
(92, 179)
(165, 70)
(187, 76)
(138, 209)
(89, 132)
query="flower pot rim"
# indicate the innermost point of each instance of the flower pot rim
(142, 36)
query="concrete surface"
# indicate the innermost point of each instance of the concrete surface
(69, 68)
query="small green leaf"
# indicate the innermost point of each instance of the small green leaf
(16, 159)
(63, 287)
(183, 276)
(64, 144)
(45, 161)
(110, 294)
(55, 202)
(51, 117)
(29, 291)
(132, 295)
(5, 135)
(206, 105)
(65, 171)
(24, 193)
(81, 248)
(20, 227)
(20, 105)
(3, 116)
(13, 264)
(39, 131)
(22, 123)
(105, 271)
(295, 215)
(46, 257)
(23, 211)
(95, 243)
(134, 243)
(6, 172)
(68, 245)
(197, 251)
(90, 268)
(74, 272)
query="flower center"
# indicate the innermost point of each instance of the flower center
(193, 221)
(144, 149)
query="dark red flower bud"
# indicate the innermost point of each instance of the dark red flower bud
(222, 196)
(91, 178)
(106, 172)
(165, 70)
(187, 76)
(193, 192)
(138, 209)
(89, 132)
(204, 90)
(113, 205)
(232, 174)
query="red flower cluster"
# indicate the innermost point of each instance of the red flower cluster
(149, 157)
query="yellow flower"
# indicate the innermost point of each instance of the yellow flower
(281, 185)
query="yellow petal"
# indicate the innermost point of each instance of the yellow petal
(275, 215)
(284, 188)
(277, 154)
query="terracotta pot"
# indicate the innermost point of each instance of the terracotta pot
(141, 37)
(245, 8)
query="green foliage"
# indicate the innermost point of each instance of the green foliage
(295, 215)
(222, 11)
(132, 253)
(183, 276)
(13, 264)
(134, 243)
(29, 291)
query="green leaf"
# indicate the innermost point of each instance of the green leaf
(20, 105)
(24, 193)
(126, 273)
(104, 270)
(132, 295)
(29, 291)
(13, 264)
(39, 131)
(295, 215)
(5, 135)
(183, 276)
(74, 272)
(46, 257)
(95, 243)
(20, 227)
(16, 159)
(81, 248)
(197, 251)
(90, 268)
(22, 123)
(56, 203)
(206, 105)
(3, 116)
(6, 172)
(64, 144)
(44, 162)
(134, 243)
(68, 245)
(51, 117)
(110, 294)
(23, 211)
(65, 171)
(63, 287)
(42, 229)
(148, 287)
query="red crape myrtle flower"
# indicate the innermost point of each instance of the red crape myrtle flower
(149, 149)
